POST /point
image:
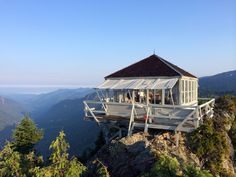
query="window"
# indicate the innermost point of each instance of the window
(190, 91)
(182, 91)
(194, 90)
(186, 86)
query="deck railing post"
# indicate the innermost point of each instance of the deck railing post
(196, 115)
(146, 120)
(91, 112)
(103, 105)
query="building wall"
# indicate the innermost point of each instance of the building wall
(188, 90)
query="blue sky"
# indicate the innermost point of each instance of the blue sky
(76, 42)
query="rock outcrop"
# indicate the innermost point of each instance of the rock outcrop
(130, 156)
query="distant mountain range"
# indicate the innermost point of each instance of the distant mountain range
(11, 112)
(38, 104)
(67, 115)
(219, 84)
(53, 112)
(63, 109)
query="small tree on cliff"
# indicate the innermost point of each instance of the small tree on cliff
(26, 135)
(61, 165)
(10, 162)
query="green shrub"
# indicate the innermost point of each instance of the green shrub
(191, 171)
(165, 166)
(210, 145)
(226, 103)
(232, 134)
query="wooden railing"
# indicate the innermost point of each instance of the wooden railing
(148, 112)
(206, 109)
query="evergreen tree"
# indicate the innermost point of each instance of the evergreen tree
(61, 166)
(29, 162)
(59, 156)
(97, 169)
(26, 135)
(100, 141)
(90, 152)
(75, 168)
(10, 162)
(165, 166)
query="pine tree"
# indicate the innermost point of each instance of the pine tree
(61, 165)
(10, 162)
(59, 156)
(26, 135)
(97, 169)
(29, 162)
(75, 168)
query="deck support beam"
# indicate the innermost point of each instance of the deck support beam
(146, 121)
(131, 116)
(177, 134)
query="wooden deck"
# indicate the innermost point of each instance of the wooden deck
(167, 117)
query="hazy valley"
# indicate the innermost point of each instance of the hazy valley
(63, 110)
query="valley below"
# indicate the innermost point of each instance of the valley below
(62, 110)
(52, 112)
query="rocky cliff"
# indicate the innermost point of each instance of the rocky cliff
(208, 150)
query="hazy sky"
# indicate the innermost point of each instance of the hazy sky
(55, 42)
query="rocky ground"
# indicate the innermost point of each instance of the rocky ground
(130, 156)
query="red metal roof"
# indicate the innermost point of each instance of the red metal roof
(152, 66)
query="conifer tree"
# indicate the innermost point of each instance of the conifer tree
(29, 162)
(61, 165)
(59, 156)
(75, 168)
(97, 169)
(10, 162)
(26, 135)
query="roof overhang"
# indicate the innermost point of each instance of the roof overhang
(138, 84)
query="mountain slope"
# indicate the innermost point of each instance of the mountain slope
(219, 84)
(11, 112)
(39, 104)
(67, 115)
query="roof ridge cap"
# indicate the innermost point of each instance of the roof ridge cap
(163, 60)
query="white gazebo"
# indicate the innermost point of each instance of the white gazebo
(151, 93)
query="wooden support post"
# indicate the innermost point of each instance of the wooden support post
(131, 117)
(177, 138)
(105, 131)
(163, 97)
(146, 121)
(120, 133)
(91, 112)
(155, 92)
(106, 95)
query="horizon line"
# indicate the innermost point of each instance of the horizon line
(45, 86)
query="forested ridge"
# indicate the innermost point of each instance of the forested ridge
(208, 151)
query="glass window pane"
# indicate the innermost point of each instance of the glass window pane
(182, 85)
(186, 97)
